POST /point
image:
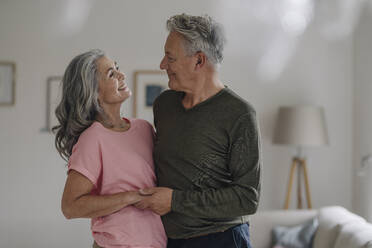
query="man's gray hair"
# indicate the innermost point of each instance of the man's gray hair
(201, 34)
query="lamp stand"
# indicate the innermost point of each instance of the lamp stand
(300, 163)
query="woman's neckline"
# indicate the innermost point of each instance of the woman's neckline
(117, 131)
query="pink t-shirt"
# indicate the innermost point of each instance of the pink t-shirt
(117, 162)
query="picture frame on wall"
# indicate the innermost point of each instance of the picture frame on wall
(148, 84)
(7, 83)
(54, 93)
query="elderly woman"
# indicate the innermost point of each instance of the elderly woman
(109, 157)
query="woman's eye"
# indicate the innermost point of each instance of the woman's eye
(111, 74)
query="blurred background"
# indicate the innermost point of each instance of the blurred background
(279, 53)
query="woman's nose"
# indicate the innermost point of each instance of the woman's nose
(121, 75)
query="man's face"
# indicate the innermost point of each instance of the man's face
(180, 67)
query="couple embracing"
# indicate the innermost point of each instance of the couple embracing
(193, 181)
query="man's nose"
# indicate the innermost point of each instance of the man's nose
(163, 64)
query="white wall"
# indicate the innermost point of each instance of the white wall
(362, 200)
(34, 36)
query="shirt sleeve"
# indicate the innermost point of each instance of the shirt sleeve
(86, 158)
(242, 196)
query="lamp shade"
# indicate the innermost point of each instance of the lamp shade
(301, 126)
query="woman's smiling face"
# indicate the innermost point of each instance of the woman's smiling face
(112, 88)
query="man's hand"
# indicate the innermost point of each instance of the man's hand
(158, 199)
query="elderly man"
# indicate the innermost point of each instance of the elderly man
(207, 149)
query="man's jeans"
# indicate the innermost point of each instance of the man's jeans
(235, 237)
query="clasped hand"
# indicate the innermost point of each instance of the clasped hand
(157, 199)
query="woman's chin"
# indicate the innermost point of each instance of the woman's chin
(126, 94)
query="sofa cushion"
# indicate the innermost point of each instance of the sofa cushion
(355, 235)
(263, 222)
(299, 236)
(331, 220)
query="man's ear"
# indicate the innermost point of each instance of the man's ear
(201, 59)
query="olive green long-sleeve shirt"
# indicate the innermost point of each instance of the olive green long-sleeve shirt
(210, 156)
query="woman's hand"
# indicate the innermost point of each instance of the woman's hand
(157, 199)
(132, 197)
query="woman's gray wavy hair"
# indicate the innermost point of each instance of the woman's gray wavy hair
(79, 105)
(201, 33)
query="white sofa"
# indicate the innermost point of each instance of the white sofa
(338, 228)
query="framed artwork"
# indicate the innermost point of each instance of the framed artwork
(148, 84)
(54, 92)
(7, 83)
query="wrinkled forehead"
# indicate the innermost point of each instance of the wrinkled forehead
(105, 64)
(175, 42)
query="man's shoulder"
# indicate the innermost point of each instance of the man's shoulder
(237, 103)
(167, 95)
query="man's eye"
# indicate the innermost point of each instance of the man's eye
(111, 74)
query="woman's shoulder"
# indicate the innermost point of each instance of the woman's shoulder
(89, 139)
(92, 133)
(141, 123)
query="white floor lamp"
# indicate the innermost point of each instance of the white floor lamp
(300, 126)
